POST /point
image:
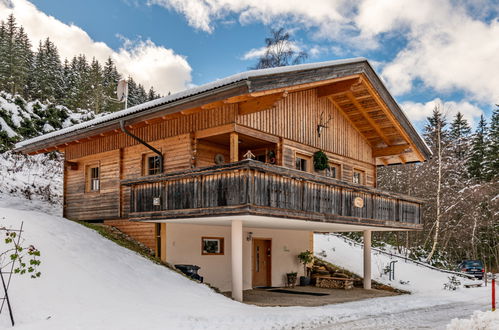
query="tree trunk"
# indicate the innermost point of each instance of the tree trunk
(439, 188)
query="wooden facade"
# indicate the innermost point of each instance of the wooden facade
(282, 119)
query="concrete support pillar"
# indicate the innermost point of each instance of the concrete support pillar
(237, 259)
(367, 259)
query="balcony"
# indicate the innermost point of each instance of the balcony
(250, 187)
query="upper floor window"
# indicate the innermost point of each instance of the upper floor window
(93, 178)
(334, 171)
(303, 162)
(152, 165)
(358, 176)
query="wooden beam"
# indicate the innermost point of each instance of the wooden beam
(260, 103)
(214, 131)
(240, 98)
(402, 159)
(256, 134)
(366, 116)
(392, 118)
(336, 88)
(213, 105)
(234, 147)
(300, 87)
(384, 161)
(343, 113)
(389, 151)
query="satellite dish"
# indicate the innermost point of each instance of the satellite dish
(219, 159)
(122, 90)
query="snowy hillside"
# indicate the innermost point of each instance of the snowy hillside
(34, 178)
(20, 119)
(408, 276)
(89, 282)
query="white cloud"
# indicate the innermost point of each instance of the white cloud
(149, 64)
(328, 14)
(420, 111)
(447, 44)
(447, 49)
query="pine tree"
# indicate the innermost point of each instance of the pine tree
(492, 148)
(152, 95)
(96, 86)
(136, 93)
(460, 132)
(3, 56)
(47, 76)
(110, 83)
(476, 161)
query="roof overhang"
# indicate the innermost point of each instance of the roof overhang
(266, 85)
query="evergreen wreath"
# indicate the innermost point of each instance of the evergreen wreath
(321, 162)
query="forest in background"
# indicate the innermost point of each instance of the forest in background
(460, 184)
(56, 88)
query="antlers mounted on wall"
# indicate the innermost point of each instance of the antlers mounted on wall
(323, 124)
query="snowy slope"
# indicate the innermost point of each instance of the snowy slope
(408, 276)
(89, 282)
(33, 177)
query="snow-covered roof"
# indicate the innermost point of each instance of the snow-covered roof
(186, 93)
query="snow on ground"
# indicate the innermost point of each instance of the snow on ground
(479, 320)
(408, 276)
(88, 282)
(33, 177)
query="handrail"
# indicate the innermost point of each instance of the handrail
(278, 170)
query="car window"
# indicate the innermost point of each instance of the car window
(473, 264)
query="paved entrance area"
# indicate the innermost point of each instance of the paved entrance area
(265, 297)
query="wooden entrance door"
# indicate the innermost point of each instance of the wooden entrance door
(262, 257)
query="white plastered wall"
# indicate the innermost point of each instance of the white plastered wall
(184, 247)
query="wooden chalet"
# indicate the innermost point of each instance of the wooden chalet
(223, 175)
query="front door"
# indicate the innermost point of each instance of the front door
(262, 256)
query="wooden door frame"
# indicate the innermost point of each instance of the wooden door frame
(269, 266)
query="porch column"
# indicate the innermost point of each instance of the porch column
(367, 259)
(237, 259)
(234, 147)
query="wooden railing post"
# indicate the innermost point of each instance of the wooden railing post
(234, 147)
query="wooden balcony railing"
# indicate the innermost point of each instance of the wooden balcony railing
(251, 187)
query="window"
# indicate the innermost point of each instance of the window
(93, 178)
(152, 165)
(302, 162)
(334, 171)
(212, 245)
(358, 177)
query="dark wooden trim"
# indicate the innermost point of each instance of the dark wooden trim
(280, 170)
(253, 188)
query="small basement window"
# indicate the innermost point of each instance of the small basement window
(152, 165)
(93, 178)
(358, 176)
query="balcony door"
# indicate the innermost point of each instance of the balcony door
(262, 262)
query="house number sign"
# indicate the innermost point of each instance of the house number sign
(358, 202)
(156, 201)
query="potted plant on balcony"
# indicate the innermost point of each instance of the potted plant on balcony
(321, 161)
(306, 258)
(291, 279)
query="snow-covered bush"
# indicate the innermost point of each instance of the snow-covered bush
(453, 283)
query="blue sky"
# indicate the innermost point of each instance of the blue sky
(427, 52)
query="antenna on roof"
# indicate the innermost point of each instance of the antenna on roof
(121, 93)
